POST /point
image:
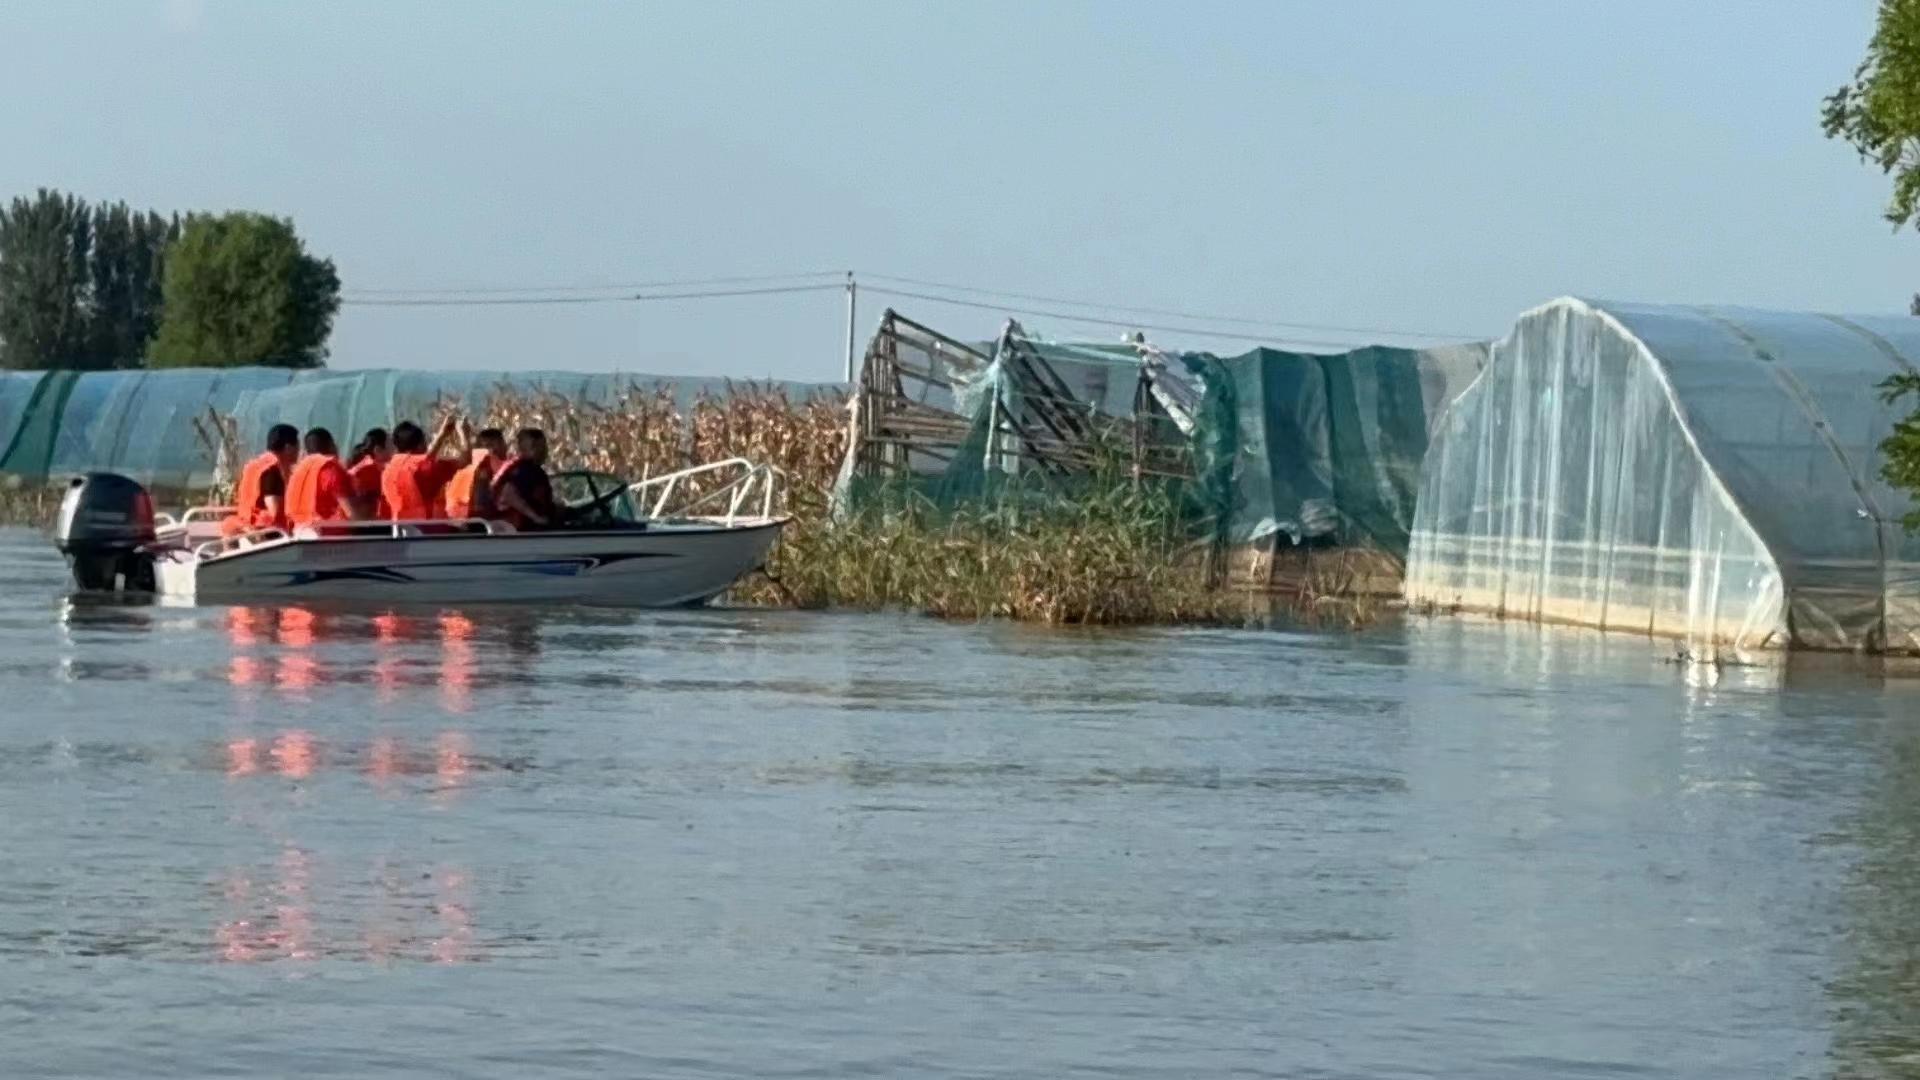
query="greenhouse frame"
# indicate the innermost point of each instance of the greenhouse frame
(1708, 474)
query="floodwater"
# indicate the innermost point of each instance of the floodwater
(729, 844)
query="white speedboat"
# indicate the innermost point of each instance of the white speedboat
(607, 552)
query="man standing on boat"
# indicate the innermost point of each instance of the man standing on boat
(260, 498)
(522, 493)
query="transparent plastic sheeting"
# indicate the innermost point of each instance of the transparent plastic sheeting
(141, 423)
(1706, 474)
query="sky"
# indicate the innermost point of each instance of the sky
(1400, 171)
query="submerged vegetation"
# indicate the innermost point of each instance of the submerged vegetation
(1116, 551)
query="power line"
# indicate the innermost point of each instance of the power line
(506, 294)
(683, 283)
(1194, 331)
(515, 301)
(833, 287)
(1198, 316)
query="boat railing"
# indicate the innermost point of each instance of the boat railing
(192, 516)
(239, 542)
(350, 530)
(758, 486)
(401, 530)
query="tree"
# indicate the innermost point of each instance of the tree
(240, 288)
(125, 269)
(44, 244)
(1878, 114)
(79, 286)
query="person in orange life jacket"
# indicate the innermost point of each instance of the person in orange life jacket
(414, 477)
(470, 493)
(522, 493)
(260, 497)
(320, 490)
(369, 459)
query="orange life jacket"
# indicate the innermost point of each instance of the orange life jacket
(411, 484)
(366, 475)
(315, 489)
(466, 483)
(249, 508)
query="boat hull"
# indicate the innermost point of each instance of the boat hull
(668, 566)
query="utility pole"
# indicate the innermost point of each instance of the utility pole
(852, 290)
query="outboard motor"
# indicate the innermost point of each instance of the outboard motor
(105, 525)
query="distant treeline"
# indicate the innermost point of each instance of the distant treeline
(100, 287)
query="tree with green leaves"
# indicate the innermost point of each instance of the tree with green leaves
(79, 286)
(1878, 114)
(240, 288)
(44, 245)
(125, 269)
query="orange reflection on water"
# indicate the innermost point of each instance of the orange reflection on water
(294, 930)
(243, 626)
(245, 670)
(297, 627)
(388, 630)
(450, 758)
(295, 754)
(452, 946)
(297, 672)
(243, 757)
(285, 933)
(456, 661)
(277, 648)
(385, 917)
(383, 759)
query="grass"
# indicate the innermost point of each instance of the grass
(1115, 552)
(31, 505)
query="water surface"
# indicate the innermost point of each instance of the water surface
(259, 842)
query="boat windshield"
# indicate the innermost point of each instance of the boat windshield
(594, 499)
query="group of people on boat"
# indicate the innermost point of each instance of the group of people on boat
(460, 474)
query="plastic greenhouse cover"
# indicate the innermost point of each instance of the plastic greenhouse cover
(140, 423)
(16, 390)
(1710, 474)
(1331, 445)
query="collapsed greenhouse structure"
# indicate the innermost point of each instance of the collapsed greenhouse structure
(1707, 474)
(1278, 448)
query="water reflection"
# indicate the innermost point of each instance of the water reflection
(1877, 996)
(294, 652)
(293, 911)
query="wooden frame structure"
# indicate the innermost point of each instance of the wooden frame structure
(918, 394)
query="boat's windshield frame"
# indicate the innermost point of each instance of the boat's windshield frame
(606, 500)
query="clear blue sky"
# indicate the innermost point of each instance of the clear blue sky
(1411, 165)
